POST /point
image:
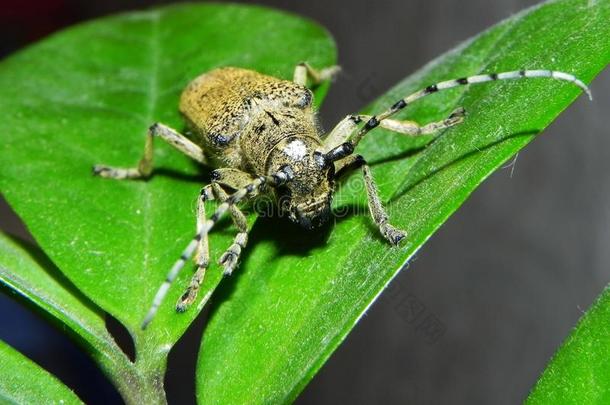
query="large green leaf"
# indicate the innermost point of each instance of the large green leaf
(298, 294)
(24, 382)
(86, 96)
(580, 371)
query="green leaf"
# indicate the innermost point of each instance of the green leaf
(24, 382)
(298, 294)
(579, 373)
(87, 96)
(29, 273)
(25, 270)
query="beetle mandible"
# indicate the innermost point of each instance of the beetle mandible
(261, 135)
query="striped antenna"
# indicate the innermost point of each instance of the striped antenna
(448, 84)
(275, 180)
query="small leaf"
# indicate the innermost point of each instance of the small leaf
(28, 272)
(24, 382)
(298, 294)
(579, 373)
(87, 95)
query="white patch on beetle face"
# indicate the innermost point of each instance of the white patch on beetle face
(296, 149)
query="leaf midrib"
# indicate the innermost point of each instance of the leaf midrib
(153, 89)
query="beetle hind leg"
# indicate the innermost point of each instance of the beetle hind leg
(303, 71)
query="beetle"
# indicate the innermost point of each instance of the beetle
(261, 135)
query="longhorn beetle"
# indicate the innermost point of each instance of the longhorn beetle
(261, 136)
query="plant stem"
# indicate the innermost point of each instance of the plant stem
(144, 389)
(140, 382)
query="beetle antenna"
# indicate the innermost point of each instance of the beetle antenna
(375, 120)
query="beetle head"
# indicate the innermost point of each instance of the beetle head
(306, 197)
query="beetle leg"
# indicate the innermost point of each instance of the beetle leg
(380, 217)
(303, 70)
(230, 257)
(232, 178)
(144, 168)
(202, 254)
(344, 129)
(341, 132)
(413, 128)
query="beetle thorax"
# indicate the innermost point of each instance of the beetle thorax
(268, 125)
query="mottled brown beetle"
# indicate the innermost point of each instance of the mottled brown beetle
(261, 135)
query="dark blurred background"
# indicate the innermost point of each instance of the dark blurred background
(506, 277)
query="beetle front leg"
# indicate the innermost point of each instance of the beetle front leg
(230, 257)
(343, 131)
(380, 217)
(202, 255)
(412, 128)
